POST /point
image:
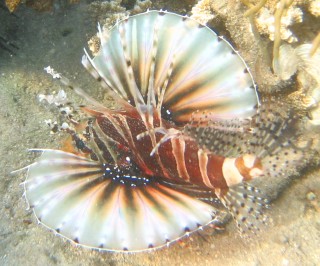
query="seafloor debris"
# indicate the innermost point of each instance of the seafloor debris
(55, 127)
(313, 200)
(67, 112)
(58, 99)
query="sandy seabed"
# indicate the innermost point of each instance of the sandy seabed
(57, 39)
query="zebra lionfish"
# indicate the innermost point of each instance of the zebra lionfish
(188, 130)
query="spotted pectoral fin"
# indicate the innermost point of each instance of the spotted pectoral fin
(104, 206)
(246, 205)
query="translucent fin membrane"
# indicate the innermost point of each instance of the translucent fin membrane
(163, 59)
(107, 207)
(267, 133)
(246, 206)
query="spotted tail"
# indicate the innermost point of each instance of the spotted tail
(271, 137)
(106, 207)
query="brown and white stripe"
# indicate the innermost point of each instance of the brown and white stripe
(177, 158)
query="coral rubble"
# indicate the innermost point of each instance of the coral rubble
(203, 12)
(108, 13)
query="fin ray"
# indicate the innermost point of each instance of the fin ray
(246, 205)
(110, 207)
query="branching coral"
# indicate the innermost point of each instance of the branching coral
(298, 60)
(283, 7)
(282, 14)
(253, 8)
(275, 20)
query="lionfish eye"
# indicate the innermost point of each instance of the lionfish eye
(166, 114)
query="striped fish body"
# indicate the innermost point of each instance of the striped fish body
(180, 157)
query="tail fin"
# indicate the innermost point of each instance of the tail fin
(107, 207)
(246, 204)
(271, 136)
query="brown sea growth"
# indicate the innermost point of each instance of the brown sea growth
(39, 5)
(12, 4)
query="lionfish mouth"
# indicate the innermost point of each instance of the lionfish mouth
(149, 173)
